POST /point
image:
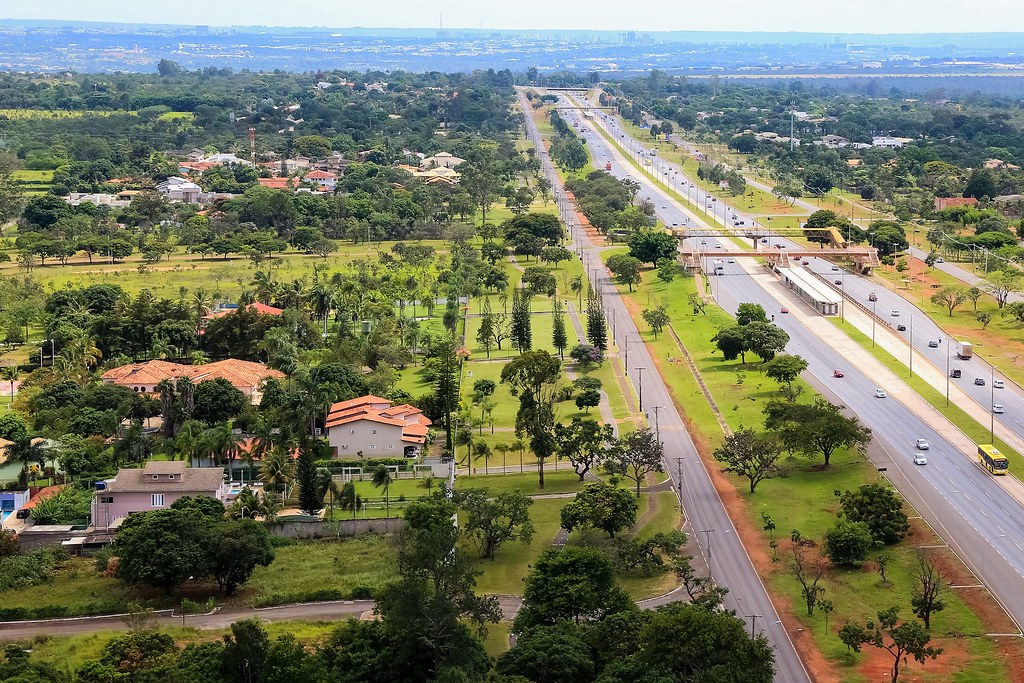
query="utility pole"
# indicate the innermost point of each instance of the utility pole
(640, 386)
(657, 424)
(753, 621)
(679, 479)
(707, 542)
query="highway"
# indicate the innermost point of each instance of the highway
(1011, 397)
(706, 515)
(983, 523)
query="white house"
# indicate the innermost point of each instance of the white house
(323, 179)
(886, 141)
(441, 160)
(176, 189)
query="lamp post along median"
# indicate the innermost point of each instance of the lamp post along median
(640, 386)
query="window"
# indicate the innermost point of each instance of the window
(106, 499)
(155, 477)
(158, 500)
(170, 476)
(373, 446)
(391, 446)
(373, 431)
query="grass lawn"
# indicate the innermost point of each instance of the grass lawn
(504, 574)
(362, 563)
(805, 499)
(496, 642)
(561, 481)
(999, 343)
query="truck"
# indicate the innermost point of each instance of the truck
(607, 165)
(964, 350)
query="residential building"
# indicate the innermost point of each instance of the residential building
(281, 183)
(225, 309)
(887, 141)
(11, 502)
(371, 427)
(439, 174)
(999, 164)
(441, 160)
(949, 202)
(154, 487)
(834, 141)
(322, 179)
(117, 201)
(296, 164)
(246, 376)
(176, 189)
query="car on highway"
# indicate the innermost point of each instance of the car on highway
(998, 384)
(894, 313)
(718, 246)
(732, 260)
(933, 344)
(901, 328)
(940, 260)
(922, 444)
(838, 373)
(835, 267)
(920, 459)
(764, 240)
(880, 393)
(664, 206)
(979, 381)
(839, 282)
(872, 297)
(998, 409)
(784, 310)
(955, 373)
(805, 262)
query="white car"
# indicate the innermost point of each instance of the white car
(920, 459)
(922, 444)
(998, 409)
(998, 384)
(894, 313)
(880, 393)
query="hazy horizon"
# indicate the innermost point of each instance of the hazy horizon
(805, 16)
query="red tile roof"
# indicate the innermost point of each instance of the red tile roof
(949, 202)
(277, 183)
(258, 307)
(48, 492)
(319, 175)
(411, 419)
(241, 373)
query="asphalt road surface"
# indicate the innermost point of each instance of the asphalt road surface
(983, 523)
(706, 515)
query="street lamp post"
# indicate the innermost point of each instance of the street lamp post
(657, 424)
(911, 346)
(679, 479)
(874, 304)
(707, 542)
(640, 385)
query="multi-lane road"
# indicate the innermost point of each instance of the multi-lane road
(983, 523)
(706, 515)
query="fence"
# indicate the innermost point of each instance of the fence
(316, 528)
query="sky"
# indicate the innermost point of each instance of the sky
(829, 16)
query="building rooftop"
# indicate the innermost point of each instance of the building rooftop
(185, 480)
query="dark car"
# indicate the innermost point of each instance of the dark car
(901, 328)
(955, 373)
(979, 381)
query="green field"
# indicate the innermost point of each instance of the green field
(804, 500)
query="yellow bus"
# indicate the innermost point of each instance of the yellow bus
(991, 459)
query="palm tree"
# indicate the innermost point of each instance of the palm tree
(201, 303)
(188, 440)
(9, 373)
(382, 480)
(222, 444)
(502, 448)
(264, 441)
(250, 505)
(168, 396)
(518, 445)
(163, 348)
(322, 300)
(278, 470)
(26, 451)
(198, 358)
(265, 286)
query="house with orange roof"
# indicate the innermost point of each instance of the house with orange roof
(262, 309)
(372, 427)
(950, 202)
(281, 183)
(246, 376)
(322, 179)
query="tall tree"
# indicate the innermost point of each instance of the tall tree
(597, 326)
(926, 592)
(583, 443)
(751, 455)
(446, 384)
(494, 520)
(902, 641)
(559, 339)
(311, 497)
(636, 455)
(601, 506)
(485, 333)
(521, 333)
(533, 379)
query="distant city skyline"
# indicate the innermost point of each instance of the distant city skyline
(868, 16)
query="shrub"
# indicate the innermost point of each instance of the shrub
(848, 543)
